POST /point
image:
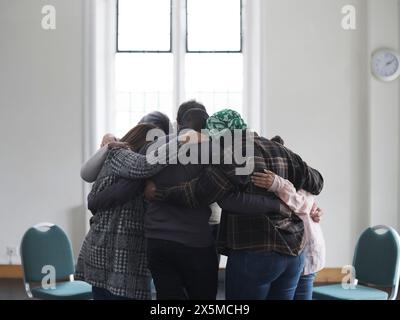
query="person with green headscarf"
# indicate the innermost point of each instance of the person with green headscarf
(264, 248)
(223, 120)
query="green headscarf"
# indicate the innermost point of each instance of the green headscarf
(226, 119)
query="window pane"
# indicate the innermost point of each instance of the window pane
(216, 80)
(143, 84)
(144, 25)
(214, 25)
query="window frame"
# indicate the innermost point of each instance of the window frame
(179, 47)
(215, 51)
(117, 50)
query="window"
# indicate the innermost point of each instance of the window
(214, 25)
(143, 84)
(172, 51)
(144, 26)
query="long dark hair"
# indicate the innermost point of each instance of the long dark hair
(136, 137)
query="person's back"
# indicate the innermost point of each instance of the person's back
(263, 239)
(98, 251)
(170, 222)
(181, 246)
(117, 232)
(278, 233)
(261, 242)
(188, 226)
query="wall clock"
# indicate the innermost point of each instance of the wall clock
(386, 64)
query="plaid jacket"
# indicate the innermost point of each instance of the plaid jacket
(278, 232)
(113, 255)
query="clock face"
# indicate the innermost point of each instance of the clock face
(386, 65)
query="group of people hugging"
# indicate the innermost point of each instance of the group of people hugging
(167, 223)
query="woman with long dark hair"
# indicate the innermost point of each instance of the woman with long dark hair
(113, 256)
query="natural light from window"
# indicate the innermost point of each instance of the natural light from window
(145, 69)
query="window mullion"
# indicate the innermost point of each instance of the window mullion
(179, 51)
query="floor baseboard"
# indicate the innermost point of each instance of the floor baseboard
(327, 275)
(10, 271)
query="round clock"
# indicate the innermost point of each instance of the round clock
(386, 64)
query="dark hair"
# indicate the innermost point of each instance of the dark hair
(192, 104)
(159, 119)
(278, 139)
(136, 137)
(195, 119)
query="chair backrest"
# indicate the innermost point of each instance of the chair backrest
(377, 257)
(46, 245)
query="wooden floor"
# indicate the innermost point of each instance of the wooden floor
(12, 289)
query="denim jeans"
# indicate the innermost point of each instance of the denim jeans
(305, 287)
(262, 275)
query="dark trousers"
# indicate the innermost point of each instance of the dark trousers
(180, 272)
(104, 294)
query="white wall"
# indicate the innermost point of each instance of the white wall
(384, 26)
(41, 108)
(319, 95)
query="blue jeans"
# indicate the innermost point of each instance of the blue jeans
(305, 287)
(260, 276)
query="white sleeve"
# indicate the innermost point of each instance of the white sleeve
(91, 168)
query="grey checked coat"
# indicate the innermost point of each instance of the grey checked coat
(113, 255)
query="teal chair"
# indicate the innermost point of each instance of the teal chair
(376, 262)
(47, 245)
